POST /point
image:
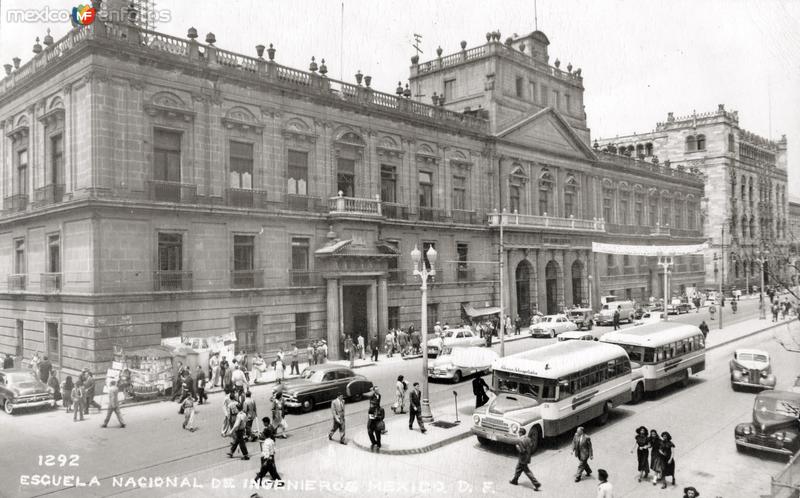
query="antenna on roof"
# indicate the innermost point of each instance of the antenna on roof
(417, 40)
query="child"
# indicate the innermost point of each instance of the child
(188, 414)
(78, 401)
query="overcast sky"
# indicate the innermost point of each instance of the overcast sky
(640, 60)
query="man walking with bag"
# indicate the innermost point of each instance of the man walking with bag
(337, 410)
(582, 449)
(524, 447)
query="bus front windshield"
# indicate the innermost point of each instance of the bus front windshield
(532, 387)
(639, 354)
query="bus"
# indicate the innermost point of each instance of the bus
(666, 353)
(550, 390)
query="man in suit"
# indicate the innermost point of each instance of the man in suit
(479, 387)
(415, 409)
(616, 317)
(582, 449)
(45, 367)
(337, 410)
(238, 435)
(524, 449)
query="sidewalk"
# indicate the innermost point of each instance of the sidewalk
(399, 440)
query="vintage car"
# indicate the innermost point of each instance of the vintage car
(581, 317)
(649, 317)
(19, 388)
(455, 363)
(577, 335)
(551, 326)
(461, 336)
(751, 368)
(775, 427)
(319, 384)
(677, 307)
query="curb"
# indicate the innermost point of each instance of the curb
(749, 334)
(416, 451)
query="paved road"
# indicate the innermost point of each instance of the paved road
(154, 444)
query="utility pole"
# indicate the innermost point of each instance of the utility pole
(722, 277)
(501, 330)
(665, 262)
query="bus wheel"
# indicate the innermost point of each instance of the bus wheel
(535, 437)
(457, 377)
(638, 393)
(685, 381)
(603, 418)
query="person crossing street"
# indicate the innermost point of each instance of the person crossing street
(415, 409)
(113, 405)
(524, 449)
(337, 410)
(582, 449)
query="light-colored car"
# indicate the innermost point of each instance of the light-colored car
(577, 335)
(460, 336)
(751, 368)
(455, 363)
(606, 314)
(551, 326)
(583, 318)
(650, 317)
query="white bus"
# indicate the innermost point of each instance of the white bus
(667, 353)
(550, 390)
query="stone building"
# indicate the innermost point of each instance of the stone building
(155, 186)
(745, 189)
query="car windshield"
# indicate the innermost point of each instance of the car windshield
(449, 333)
(780, 407)
(307, 373)
(639, 354)
(752, 357)
(533, 387)
(21, 377)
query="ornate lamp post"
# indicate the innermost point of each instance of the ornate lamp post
(590, 291)
(665, 262)
(762, 310)
(424, 272)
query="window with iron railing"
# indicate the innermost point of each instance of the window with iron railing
(425, 189)
(388, 183)
(241, 161)
(297, 174)
(459, 192)
(19, 256)
(345, 176)
(246, 329)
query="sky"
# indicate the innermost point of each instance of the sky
(640, 59)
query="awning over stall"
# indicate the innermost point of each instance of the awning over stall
(476, 312)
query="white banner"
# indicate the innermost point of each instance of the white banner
(640, 250)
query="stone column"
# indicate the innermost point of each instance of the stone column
(372, 308)
(333, 318)
(568, 258)
(541, 289)
(383, 309)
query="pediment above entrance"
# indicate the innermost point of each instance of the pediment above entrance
(547, 130)
(343, 257)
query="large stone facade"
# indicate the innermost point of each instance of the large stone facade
(155, 186)
(745, 203)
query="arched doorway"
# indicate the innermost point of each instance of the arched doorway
(577, 283)
(523, 279)
(551, 287)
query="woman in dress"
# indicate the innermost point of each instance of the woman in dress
(227, 409)
(400, 394)
(641, 446)
(656, 464)
(667, 451)
(66, 393)
(278, 422)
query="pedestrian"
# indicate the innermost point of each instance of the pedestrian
(616, 317)
(734, 306)
(249, 409)
(517, 325)
(400, 395)
(775, 310)
(200, 383)
(656, 464)
(213, 366)
(310, 350)
(323, 351)
(712, 310)
(66, 393)
(237, 434)
(188, 414)
(524, 449)
(78, 401)
(582, 449)
(278, 389)
(177, 382)
(361, 347)
(604, 489)
(295, 366)
(337, 411)
(224, 367)
(349, 350)
(402, 342)
(35, 360)
(667, 453)
(415, 409)
(508, 326)
(389, 344)
(267, 458)
(479, 387)
(240, 384)
(697, 304)
(704, 328)
(229, 415)
(45, 367)
(375, 424)
(89, 387)
(113, 405)
(373, 346)
(8, 362)
(642, 445)
(690, 492)
(375, 398)
(278, 419)
(280, 369)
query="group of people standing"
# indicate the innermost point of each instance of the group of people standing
(403, 342)
(661, 452)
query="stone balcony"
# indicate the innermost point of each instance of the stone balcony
(51, 282)
(247, 279)
(49, 194)
(16, 202)
(16, 282)
(167, 191)
(246, 198)
(354, 206)
(549, 222)
(172, 280)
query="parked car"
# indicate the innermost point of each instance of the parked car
(551, 326)
(581, 317)
(460, 336)
(456, 363)
(638, 313)
(577, 335)
(606, 315)
(323, 383)
(775, 426)
(677, 307)
(751, 368)
(650, 317)
(19, 388)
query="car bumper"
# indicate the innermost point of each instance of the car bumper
(502, 437)
(292, 403)
(540, 333)
(441, 374)
(742, 442)
(31, 404)
(747, 383)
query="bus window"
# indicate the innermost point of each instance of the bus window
(507, 385)
(649, 355)
(611, 369)
(549, 391)
(660, 354)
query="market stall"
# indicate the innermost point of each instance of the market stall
(142, 373)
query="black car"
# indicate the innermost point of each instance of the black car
(775, 427)
(322, 384)
(19, 388)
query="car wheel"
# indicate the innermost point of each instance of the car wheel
(8, 407)
(535, 437)
(734, 387)
(740, 448)
(603, 418)
(552, 333)
(307, 405)
(638, 394)
(457, 377)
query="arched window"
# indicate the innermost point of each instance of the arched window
(639, 150)
(744, 190)
(691, 143)
(546, 184)
(648, 149)
(516, 183)
(701, 142)
(570, 196)
(744, 227)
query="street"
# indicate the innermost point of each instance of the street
(700, 418)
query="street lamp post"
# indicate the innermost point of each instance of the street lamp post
(424, 272)
(722, 277)
(762, 312)
(590, 292)
(665, 262)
